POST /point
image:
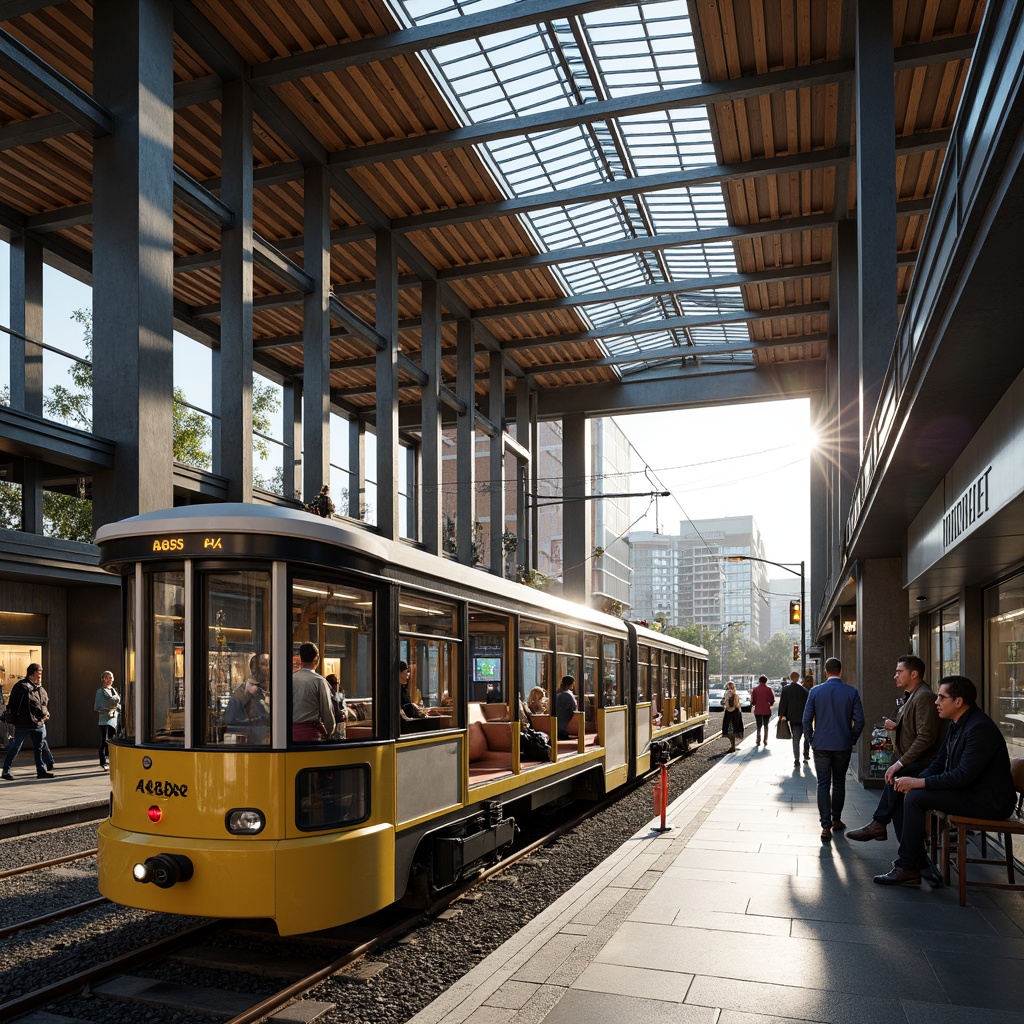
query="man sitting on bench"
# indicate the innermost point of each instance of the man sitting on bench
(969, 775)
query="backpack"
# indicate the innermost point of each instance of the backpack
(533, 744)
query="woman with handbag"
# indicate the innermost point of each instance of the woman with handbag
(732, 720)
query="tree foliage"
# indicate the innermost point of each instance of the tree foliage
(69, 515)
(743, 656)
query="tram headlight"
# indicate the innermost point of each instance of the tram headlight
(163, 870)
(245, 821)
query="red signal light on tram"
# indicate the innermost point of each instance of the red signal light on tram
(155, 814)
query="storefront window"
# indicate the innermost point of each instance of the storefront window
(1004, 694)
(946, 642)
(237, 690)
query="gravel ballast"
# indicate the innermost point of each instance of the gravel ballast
(417, 969)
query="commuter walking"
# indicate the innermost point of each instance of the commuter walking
(27, 711)
(106, 705)
(5, 735)
(837, 716)
(762, 697)
(792, 702)
(732, 719)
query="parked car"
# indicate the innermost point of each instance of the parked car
(716, 699)
(746, 701)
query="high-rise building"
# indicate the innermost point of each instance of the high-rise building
(686, 577)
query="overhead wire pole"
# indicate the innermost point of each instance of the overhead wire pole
(721, 645)
(788, 566)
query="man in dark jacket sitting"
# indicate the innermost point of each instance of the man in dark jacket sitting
(969, 775)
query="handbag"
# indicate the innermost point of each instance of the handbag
(782, 730)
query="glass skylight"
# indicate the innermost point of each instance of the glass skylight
(623, 51)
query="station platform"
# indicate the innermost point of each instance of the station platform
(741, 914)
(79, 791)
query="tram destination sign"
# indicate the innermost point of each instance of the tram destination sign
(211, 544)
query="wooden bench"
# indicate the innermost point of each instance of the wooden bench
(944, 825)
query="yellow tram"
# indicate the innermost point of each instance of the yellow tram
(224, 805)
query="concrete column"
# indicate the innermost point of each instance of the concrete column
(430, 420)
(291, 456)
(233, 456)
(465, 460)
(848, 372)
(316, 336)
(577, 543)
(388, 448)
(972, 638)
(27, 321)
(874, 87)
(496, 460)
(819, 572)
(133, 256)
(27, 365)
(357, 468)
(882, 631)
(525, 435)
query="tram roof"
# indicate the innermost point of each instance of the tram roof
(634, 202)
(403, 559)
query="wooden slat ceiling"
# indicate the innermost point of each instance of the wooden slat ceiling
(393, 98)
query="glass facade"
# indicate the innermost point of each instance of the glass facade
(1004, 693)
(946, 642)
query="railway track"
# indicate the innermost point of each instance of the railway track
(41, 865)
(210, 946)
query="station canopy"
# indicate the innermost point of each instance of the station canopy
(616, 194)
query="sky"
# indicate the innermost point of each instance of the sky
(750, 459)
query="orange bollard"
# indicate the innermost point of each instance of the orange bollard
(661, 799)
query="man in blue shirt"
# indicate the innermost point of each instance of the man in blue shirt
(835, 713)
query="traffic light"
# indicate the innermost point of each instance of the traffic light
(794, 612)
(796, 652)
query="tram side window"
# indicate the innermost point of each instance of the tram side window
(238, 686)
(569, 663)
(592, 671)
(612, 686)
(339, 619)
(429, 645)
(167, 658)
(128, 704)
(535, 667)
(643, 686)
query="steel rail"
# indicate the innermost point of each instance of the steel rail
(58, 989)
(40, 865)
(56, 915)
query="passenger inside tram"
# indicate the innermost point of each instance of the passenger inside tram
(247, 715)
(312, 714)
(537, 701)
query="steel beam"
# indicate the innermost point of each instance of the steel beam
(21, 63)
